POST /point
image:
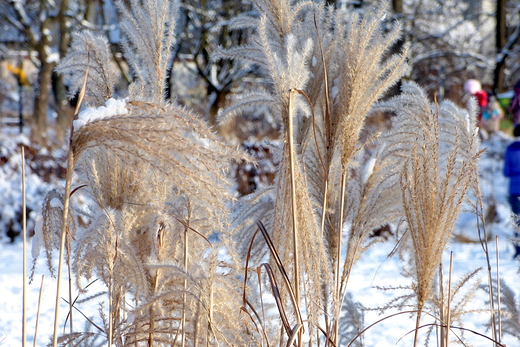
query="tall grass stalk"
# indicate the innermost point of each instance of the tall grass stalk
(497, 251)
(66, 202)
(185, 287)
(448, 313)
(292, 155)
(482, 233)
(24, 238)
(38, 313)
(70, 168)
(69, 251)
(339, 284)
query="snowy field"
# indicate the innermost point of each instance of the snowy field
(375, 269)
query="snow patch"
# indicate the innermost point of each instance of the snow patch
(335, 91)
(112, 108)
(37, 240)
(368, 169)
(56, 203)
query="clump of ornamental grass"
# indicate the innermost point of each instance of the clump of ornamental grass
(327, 69)
(157, 179)
(156, 176)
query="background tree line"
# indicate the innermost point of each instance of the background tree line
(450, 42)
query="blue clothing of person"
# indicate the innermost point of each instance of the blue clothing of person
(512, 170)
(512, 167)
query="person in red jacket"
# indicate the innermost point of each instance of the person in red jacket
(474, 88)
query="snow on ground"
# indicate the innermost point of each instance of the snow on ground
(375, 268)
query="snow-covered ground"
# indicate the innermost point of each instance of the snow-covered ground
(375, 269)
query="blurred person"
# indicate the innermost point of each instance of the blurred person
(512, 170)
(514, 106)
(492, 115)
(474, 88)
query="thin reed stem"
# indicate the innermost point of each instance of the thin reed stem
(296, 277)
(337, 309)
(442, 311)
(110, 310)
(448, 314)
(38, 313)
(499, 339)
(417, 326)
(24, 236)
(482, 233)
(66, 200)
(185, 288)
(70, 285)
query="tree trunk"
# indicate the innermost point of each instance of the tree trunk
(42, 98)
(501, 40)
(397, 6)
(58, 85)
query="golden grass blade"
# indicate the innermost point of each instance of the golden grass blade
(281, 268)
(297, 330)
(261, 322)
(246, 271)
(277, 297)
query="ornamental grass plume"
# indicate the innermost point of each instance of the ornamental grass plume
(327, 69)
(438, 150)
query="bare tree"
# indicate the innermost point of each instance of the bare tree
(507, 43)
(206, 26)
(45, 27)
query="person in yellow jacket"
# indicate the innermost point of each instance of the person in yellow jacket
(20, 75)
